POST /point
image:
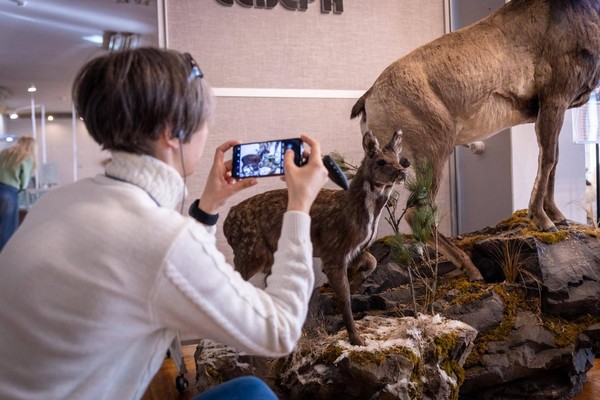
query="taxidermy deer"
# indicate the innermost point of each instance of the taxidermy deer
(252, 161)
(343, 225)
(529, 61)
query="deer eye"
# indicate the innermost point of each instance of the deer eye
(381, 163)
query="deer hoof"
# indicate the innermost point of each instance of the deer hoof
(356, 341)
(550, 229)
(476, 279)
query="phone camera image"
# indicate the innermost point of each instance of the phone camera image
(261, 159)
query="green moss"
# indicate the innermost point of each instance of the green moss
(470, 291)
(566, 332)
(515, 224)
(213, 373)
(378, 357)
(367, 357)
(417, 372)
(518, 218)
(330, 354)
(467, 243)
(445, 344)
(511, 300)
(595, 233)
(584, 230)
(548, 237)
(469, 297)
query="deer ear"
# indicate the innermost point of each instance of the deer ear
(370, 143)
(395, 143)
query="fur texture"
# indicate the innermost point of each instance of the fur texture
(529, 61)
(343, 224)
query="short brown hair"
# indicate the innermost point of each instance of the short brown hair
(128, 98)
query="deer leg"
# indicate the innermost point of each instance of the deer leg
(547, 129)
(360, 269)
(456, 256)
(550, 206)
(338, 279)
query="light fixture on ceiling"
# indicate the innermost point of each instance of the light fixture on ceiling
(50, 118)
(138, 2)
(31, 88)
(119, 41)
(96, 39)
(13, 115)
(7, 138)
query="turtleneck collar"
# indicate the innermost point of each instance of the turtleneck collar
(161, 181)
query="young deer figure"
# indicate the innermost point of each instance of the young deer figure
(344, 224)
(529, 61)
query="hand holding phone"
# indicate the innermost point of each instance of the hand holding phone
(261, 159)
(305, 183)
(220, 185)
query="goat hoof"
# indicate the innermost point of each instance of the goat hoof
(357, 341)
(550, 229)
(563, 222)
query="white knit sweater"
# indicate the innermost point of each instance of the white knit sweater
(98, 279)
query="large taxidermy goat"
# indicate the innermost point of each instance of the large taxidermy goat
(529, 61)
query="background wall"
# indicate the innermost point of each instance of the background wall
(238, 47)
(570, 188)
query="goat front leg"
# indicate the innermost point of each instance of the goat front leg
(547, 129)
(338, 279)
(360, 268)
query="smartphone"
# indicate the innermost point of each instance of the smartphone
(261, 159)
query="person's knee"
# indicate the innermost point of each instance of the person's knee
(255, 388)
(242, 388)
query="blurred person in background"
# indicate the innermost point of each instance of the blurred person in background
(17, 163)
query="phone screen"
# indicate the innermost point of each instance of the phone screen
(260, 159)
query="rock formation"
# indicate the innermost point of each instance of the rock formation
(536, 321)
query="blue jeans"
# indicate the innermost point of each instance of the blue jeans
(9, 212)
(242, 388)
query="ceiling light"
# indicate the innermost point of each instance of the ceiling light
(96, 39)
(9, 138)
(14, 115)
(118, 41)
(50, 118)
(32, 88)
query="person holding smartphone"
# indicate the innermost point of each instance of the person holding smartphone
(105, 271)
